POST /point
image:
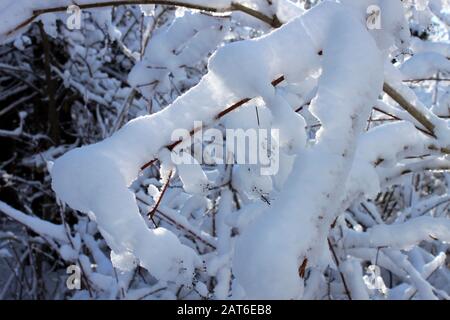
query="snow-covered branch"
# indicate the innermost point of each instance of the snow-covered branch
(215, 149)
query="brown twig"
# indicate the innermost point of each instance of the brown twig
(53, 120)
(220, 115)
(158, 202)
(302, 268)
(278, 80)
(347, 291)
(232, 108)
(410, 108)
(149, 164)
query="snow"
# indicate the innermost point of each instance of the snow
(68, 253)
(192, 176)
(393, 78)
(39, 226)
(185, 42)
(96, 173)
(419, 46)
(258, 235)
(352, 269)
(372, 154)
(401, 236)
(425, 65)
(94, 179)
(442, 108)
(394, 30)
(125, 261)
(265, 264)
(4, 253)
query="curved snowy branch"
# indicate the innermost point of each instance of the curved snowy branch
(401, 235)
(39, 226)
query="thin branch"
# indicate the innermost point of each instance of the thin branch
(347, 291)
(394, 117)
(53, 119)
(158, 202)
(273, 22)
(124, 111)
(410, 108)
(426, 79)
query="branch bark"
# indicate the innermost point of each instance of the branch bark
(53, 119)
(410, 108)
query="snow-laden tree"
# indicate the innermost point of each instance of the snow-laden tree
(354, 92)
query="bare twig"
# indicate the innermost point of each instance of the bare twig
(410, 108)
(161, 195)
(347, 291)
(52, 112)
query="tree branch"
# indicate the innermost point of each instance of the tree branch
(410, 108)
(53, 119)
(272, 21)
(347, 291)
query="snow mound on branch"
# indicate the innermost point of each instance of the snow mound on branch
(94, 180)
(272, 248)
(425, 65)
(418, 45)
(185, 42)
(372, 152)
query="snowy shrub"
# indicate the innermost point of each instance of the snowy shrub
(349, 102)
